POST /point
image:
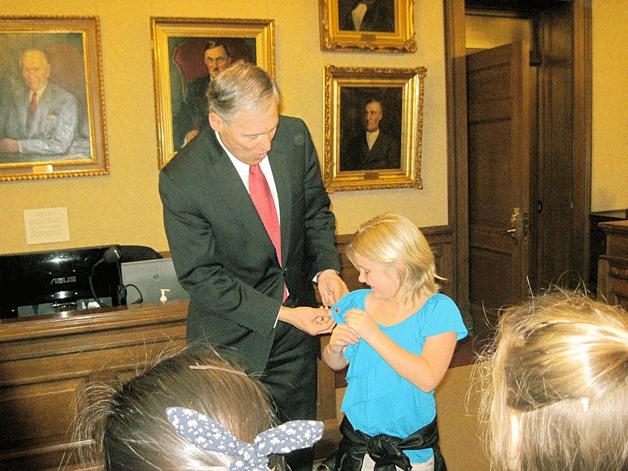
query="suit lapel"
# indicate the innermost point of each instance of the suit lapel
(280, 166)
(22, 111)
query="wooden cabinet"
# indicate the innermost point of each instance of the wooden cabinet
(45, 359)
(598, 240)
(613, 265)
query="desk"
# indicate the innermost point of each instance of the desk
(45, 359)
(597, 238)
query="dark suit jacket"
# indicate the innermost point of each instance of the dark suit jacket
(222, 253)
(356, 155)
(380, 16)
(193, 112)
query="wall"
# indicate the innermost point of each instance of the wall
(124, 206)
(610, 105)
(486, 32)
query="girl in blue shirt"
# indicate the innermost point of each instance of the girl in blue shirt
(398, 338)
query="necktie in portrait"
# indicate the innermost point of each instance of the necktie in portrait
(32, 109)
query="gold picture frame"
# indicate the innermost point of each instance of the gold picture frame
(178, 45)
(385, 25)
(64, 133)
(395, 162)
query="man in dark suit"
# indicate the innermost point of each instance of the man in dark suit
(371, 149)
(246, 294)
(193, 111)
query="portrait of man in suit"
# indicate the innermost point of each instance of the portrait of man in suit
(367, 15)
(371, 145)
(39, 119)
(197, 62)
(193, 110)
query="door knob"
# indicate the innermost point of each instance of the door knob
(516, 226)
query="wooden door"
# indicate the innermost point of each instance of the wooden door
(498, 107)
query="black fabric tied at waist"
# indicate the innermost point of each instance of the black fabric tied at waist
(386, 451)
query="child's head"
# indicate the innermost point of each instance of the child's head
(132, 431)
(556, 395)
(395, 241)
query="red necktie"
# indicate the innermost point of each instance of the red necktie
(263, 201)
(32, 108)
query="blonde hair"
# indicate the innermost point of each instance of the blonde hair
(243, 86)
(131, 431)
(389, 238)
(559, 363)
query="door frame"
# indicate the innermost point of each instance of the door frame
(457, 160)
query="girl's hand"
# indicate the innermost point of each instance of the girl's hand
(342, 336)
(362, 323)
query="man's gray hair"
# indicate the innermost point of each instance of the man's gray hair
(242, 86)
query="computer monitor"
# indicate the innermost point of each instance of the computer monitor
(144, 280)
(60, 280)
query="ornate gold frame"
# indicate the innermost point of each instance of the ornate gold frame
(410, 83)
(72, 45)
(162, 29)
(334, 39)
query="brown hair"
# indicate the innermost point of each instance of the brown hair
(130, 428)
(558, 369)
(214, 44)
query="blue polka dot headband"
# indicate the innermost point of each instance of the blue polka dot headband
(205, 433)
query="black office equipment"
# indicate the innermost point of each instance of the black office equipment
(60, 280)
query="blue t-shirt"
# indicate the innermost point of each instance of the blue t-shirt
(378, 400)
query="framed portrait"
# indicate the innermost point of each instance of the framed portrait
(373, 128)
(52, 106)
(371, 25)
(187, 52)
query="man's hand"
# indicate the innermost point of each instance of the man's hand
(331, 287)
(190, 135)
(9, 146)
(313, 321)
